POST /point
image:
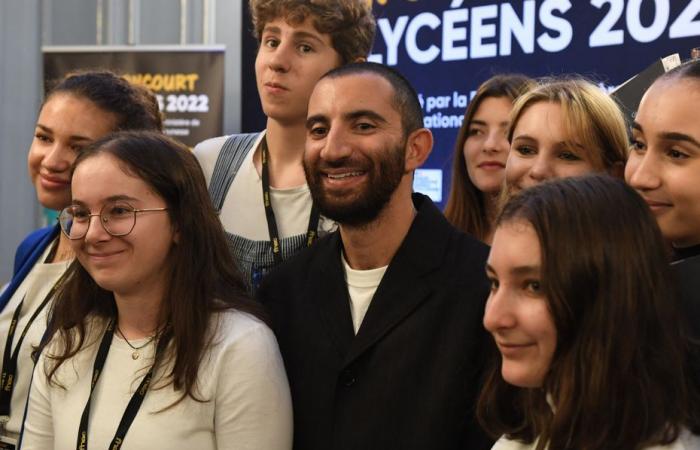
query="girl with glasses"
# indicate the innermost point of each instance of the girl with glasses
(81, 108)
(155, 343)
(583, 313)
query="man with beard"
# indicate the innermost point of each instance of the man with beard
(379, 323)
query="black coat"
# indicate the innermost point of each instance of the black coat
(409, 378)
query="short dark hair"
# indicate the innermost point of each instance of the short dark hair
(135, 107)
(689, 69)
(620, 365)
(405, 99)
(350, 23)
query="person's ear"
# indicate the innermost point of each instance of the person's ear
(418, 147)
(359, 59)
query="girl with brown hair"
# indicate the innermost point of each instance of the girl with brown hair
(584, 316)
(480, 155)
(80, 108)
(155, 343)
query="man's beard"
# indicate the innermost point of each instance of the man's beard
(355, 208)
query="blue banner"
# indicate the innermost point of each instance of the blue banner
(447, 48)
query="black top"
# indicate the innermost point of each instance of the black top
(409, 378)
(681, 253)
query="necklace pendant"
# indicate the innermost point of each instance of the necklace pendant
(135, 355)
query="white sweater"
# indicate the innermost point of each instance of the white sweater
(243, 380)
(685, 441)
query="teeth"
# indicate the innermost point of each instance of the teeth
(344, 175)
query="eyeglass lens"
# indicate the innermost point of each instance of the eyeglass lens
(117, 218)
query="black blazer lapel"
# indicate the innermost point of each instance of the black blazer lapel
(330, 294)
(406, 283)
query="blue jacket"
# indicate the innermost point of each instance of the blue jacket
(26, 256)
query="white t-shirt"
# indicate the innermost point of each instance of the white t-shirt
(362, 284)
(33, 289)
(686, 441)
(242, 378)
(243, 212)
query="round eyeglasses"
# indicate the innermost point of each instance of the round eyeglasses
(117, 218)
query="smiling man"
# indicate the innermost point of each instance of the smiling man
(379, 323)
(257, 180)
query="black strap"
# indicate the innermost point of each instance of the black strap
(311, 233)
(134, 404)
(10, 358)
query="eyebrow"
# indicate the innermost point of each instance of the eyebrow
(295, 34)
(75, 137)
(111, 198)
(670, 135)
(352, 115)
(518, 270)
(349, 116)
(524, 137)
(315, 119)
(483, 123)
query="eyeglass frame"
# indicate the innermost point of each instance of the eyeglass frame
(103, 222)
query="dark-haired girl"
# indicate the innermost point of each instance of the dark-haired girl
(155, 342)
(582, 311)
(664, 162)
(480, 154)
(81, 108)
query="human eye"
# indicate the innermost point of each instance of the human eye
(42, 137)
(77, 148)
(305, 48)
(525, 150)
(534, 287)
(271, 42)
(677, 154)
(365, 127)
(568, 155)
(493, 282)
(119, 210)
(318, 131)
(637, 145)
(474, 132)
(79, 213)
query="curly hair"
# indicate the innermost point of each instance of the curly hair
(349, 23)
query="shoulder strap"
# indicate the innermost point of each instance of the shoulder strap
(230, 158)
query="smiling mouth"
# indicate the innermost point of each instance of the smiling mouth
(340, 176)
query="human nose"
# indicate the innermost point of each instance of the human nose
(58, 158)
(336, 146)
(496, 142)
(281, 57)
(498, 314)
(96, 233)
(641, 172)
(541, 169)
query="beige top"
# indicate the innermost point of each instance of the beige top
(242, 378)
(33, 289)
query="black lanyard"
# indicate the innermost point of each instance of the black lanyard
(311, 233)
(134, 404)
(10, 358)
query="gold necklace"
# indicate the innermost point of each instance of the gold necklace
(136, 354)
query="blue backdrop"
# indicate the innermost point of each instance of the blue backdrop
(448, 47)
